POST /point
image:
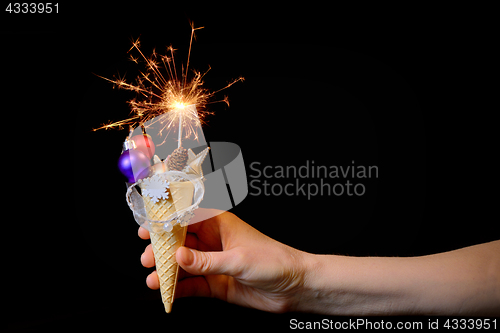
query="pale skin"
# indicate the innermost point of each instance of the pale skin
(228, 259)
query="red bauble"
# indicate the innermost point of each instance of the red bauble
(144, 143)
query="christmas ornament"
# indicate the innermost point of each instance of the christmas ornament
(133, 163)
(144, 143)
(178, 159)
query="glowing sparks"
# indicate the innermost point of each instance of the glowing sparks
(179, 105)
(162, 96)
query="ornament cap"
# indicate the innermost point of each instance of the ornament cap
(129, 144)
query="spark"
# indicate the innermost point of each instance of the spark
(163, 98)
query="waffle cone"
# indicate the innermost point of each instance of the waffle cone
(164, 243)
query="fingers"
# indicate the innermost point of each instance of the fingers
(147, 257)
(143, 233)
(152, 281)
(191, 241)
(192, 287)
(204, 214)
(148, 260)
(207, 263)
(203, 286)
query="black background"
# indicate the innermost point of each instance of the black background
(409, 93)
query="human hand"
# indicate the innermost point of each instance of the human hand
(232, 261)
(227, 259)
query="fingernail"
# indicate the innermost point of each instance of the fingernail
(188, 257)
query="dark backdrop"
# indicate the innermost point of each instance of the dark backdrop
(329, 85)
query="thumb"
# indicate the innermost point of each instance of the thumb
(205, 263)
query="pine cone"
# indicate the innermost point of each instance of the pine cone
(178, 159)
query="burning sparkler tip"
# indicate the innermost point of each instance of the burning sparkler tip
(165, 97)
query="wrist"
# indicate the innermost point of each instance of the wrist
(342, 285)
(315, 294)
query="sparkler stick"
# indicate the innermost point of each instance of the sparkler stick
(179, 144)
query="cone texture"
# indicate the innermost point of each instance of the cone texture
(164, 243)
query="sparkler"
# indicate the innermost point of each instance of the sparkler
(164, 98)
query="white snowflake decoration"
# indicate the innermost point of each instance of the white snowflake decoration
(155, 187)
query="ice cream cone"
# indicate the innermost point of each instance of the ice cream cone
(166, 243)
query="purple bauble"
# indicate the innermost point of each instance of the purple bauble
(132, 163)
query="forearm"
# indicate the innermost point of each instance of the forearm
(465, 281)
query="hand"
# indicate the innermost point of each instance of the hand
(232, 261)
(227, 259)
